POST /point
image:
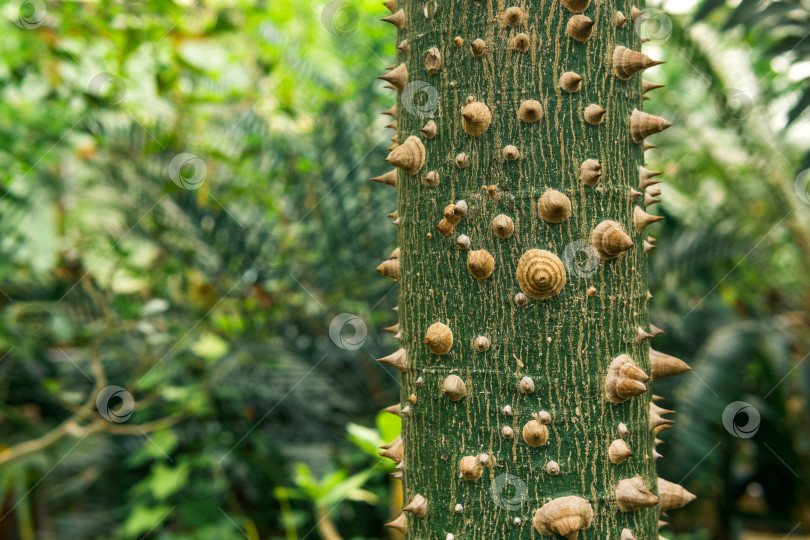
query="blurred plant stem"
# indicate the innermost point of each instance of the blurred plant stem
(326, 528)
(286, 512)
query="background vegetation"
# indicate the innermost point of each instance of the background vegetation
(206, 291)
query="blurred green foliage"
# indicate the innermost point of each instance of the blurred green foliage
(209, 296)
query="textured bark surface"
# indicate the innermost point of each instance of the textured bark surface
(565, 343)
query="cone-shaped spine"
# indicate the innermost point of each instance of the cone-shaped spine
(626, 62)
(642, 219)
(580, 28)
(564, 516)
(397, 19)
(409, 156)
(389, 268)
(664, 365)
(393, 450)
(392, 329)
(454, 388)
(398, 77)
(570, 82)
(590, 172)
(646, 178)
(594, 114)
(609, 240)
(673, 496)
(396, 409)
(648, 86)
(657, 421)
(389, 178)
(619, 451)
(398, 359)
(624, 380)
(429, 131)
(400, 524)
(642, 334)
(643, 125)
(417, 506)
(632, 494)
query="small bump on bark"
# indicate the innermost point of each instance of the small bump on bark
(530, 111)
(502, 226)
(454, 388)
(480, 264)
(554, 206)
(594, 114)
(580, 28)
(571, 82)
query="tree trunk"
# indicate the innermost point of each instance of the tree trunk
(523, 278)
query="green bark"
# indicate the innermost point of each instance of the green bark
(565, 343)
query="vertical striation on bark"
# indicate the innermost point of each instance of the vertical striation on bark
(523, 276)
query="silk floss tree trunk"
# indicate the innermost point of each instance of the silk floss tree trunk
(522, 213)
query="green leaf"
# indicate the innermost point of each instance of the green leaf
(347, 489)
(210, 346)
(143, 519)
(164, 481)
(801, 105)
(390, 426)
(303, 479)
(707, 7)
(366, 439)
(156, 447)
